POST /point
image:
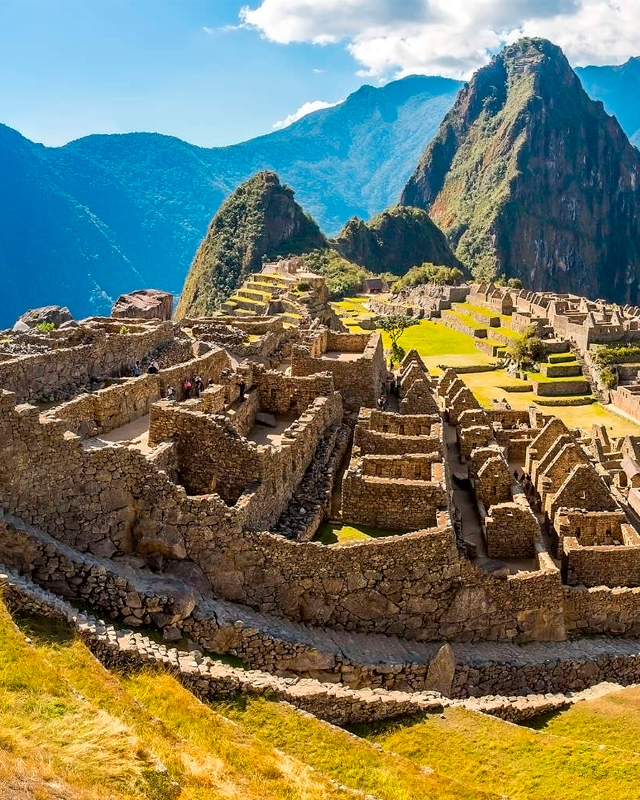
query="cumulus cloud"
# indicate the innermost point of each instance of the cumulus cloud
(305, 108)
(449, 37)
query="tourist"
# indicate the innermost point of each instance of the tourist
(137, 370)
(153, 368)
(382, 401)
(186, 388)
(242, 387)
(171, 393)
(199, 385)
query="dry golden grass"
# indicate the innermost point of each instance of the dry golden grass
(207, 755)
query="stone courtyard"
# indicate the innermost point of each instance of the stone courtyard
(175, 476)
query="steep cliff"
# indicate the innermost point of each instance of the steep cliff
(260, 218)
(529, 177)
(394, 241)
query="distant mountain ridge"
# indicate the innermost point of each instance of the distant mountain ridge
(619, 89)
(111, 213)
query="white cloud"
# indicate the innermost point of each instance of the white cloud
(305, 108)
(209, 31)
(319, 71)
(449, 37)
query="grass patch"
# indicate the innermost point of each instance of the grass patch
(206, 754)
(330, 534)
(438, 344)
(352, 762)
(517, 762)
(612, 720)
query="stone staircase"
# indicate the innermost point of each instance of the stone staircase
(311, 501)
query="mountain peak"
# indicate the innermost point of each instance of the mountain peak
(527, 176)
(260, 218)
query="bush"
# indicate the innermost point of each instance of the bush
(303, 286)
(608, 377)
(528, 351)
(45, 327)
(343, 278)
(429, 273)
(124, 330)
(397, 353)
(616, 353)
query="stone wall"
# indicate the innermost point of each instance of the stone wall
(61, 372)
(107, 409)
(212, 456)
(358, 380)
(602, 565)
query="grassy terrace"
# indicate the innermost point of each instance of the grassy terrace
(513, 761)
(71, 730)
(505, 319)
(467, 320)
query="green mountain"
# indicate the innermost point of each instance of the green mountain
(260, 218)
(529, 177)
(108, 214)
(394, 241)
(619, 89)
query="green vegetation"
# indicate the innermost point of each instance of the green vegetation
(351, 762)
(330, 534)
(528, 350)
(511, 283)
(45, 327)
(260, 218)
(394, 241)
(612, 720)
(616, 353)
(71, 729)
(394, 325)
(123, 330)
(609, 377)
(343, 278)
(496, 756)
(429, 273)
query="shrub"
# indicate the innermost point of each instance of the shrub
(45, 327)
(343, 278)
(303, 286)
(124, 330)
(397, 352)
(429, 273)
(608, 377)
(527, 351)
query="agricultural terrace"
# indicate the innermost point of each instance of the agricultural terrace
(438, 345)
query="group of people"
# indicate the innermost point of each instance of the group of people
(391, 386)
(192, 387)
(152, 369)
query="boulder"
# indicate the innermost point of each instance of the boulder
(144, 304)
(48, 314)
(441, 671)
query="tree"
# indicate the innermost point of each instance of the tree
(526, 352)
(395, 325)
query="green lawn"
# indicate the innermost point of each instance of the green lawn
(330, 534)
(438, 344)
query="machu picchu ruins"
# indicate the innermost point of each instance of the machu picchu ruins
(186, 477)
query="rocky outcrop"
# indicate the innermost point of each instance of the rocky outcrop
(144, 304)
(49, 315)
(529, 177)
(259, 219)
(394, 241)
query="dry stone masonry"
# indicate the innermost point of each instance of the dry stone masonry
(176, 475)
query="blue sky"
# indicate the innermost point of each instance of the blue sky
(74, 67)
(214, 74)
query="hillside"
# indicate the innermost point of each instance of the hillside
(619, 89)
(260, 218)
(394, 241)
(529, 177)
(111, 213)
